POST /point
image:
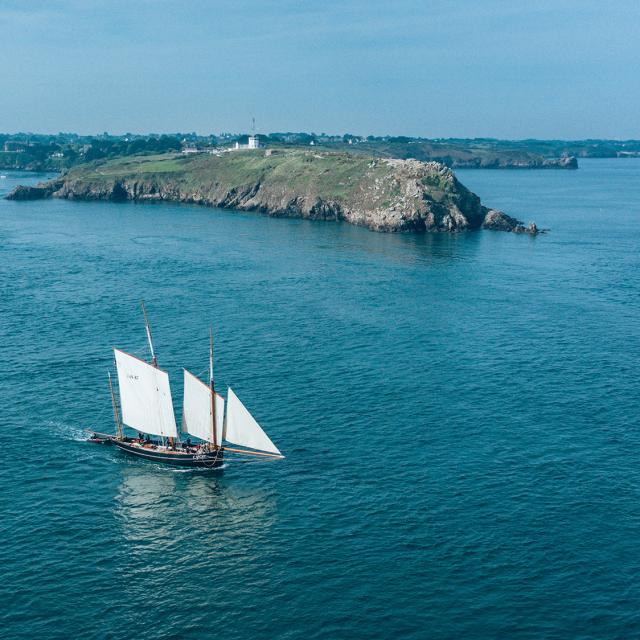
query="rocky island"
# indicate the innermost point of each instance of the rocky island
(382, 194)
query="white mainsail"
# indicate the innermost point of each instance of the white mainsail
(242, 429)
(196, 413)
(145, 396)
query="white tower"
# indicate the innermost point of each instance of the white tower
(254, 143)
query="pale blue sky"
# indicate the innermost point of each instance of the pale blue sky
(508, 69)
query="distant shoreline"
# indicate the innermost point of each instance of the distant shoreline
(59, 152)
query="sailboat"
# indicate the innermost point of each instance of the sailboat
(147, 407)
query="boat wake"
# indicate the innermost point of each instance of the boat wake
(66, 431)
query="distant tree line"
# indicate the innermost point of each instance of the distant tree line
(110, 148)
(56, 152)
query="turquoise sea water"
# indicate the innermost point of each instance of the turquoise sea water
(460, 415)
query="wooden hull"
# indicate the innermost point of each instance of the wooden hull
(209, 460)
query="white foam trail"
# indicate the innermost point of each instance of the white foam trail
(66, 431)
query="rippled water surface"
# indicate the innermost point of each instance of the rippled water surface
(460, 416)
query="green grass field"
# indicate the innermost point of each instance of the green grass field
(329, 174)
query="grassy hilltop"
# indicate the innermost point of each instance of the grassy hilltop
(330, 176)
(379, 193)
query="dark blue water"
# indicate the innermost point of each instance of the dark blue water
(460, 416)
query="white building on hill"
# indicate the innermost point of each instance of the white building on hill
(254, 143)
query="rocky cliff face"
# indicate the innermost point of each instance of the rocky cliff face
(380, 194)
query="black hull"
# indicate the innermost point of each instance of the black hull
(211, 460)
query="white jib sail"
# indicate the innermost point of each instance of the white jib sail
(196, 411)
(242, 429)
(145, 396)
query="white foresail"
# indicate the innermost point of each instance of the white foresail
(196, 412)
(242, 429)
(145, 396)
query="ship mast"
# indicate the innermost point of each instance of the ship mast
(116, 416)
(214, 436)
(154, 360)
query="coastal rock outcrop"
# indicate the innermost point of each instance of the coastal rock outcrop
(566, 162)
(378, 193)
(37, 192)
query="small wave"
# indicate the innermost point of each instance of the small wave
(192, 469)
